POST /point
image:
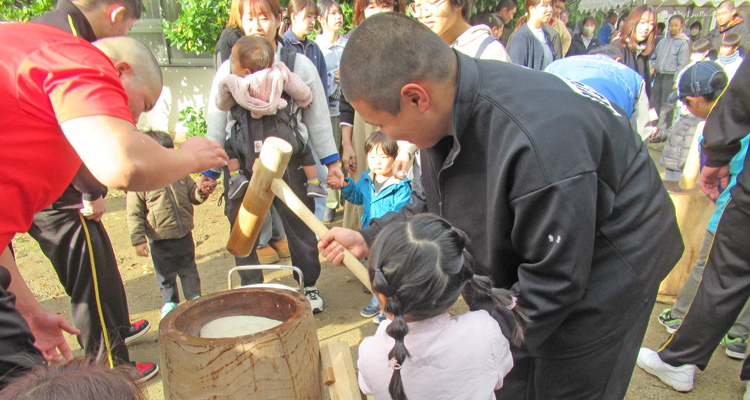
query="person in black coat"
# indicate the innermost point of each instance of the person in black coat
(636, 40)
(585, 41)
(578, 225)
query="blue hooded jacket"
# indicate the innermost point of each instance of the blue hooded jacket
(390, 198)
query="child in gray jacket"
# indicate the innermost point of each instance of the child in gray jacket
(165, 217)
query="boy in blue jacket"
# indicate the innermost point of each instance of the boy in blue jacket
(379, 192)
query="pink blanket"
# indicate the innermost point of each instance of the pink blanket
(260, 92)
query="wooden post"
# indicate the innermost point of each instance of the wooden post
(285, 193)
(338, 371)
(271, 163)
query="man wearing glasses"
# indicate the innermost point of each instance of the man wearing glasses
(728, 21)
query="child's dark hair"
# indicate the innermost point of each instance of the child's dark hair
(254, 53)
(161, 137)
(731, 40)
(378, 138)
(701, 45)
(677, 17)
(421, 266)
(80, 379)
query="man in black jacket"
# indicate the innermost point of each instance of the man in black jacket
(725, 286)
(559, 201)
(62, 228)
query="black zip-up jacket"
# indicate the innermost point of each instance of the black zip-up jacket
(69, 18)
(559, 200)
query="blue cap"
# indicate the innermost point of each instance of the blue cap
(696, 80)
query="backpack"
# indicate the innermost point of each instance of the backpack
(248, 133)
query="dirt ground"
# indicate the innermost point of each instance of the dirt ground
(342, 293)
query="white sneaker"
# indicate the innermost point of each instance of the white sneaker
(312, 294)
(747, 392)
(679, 378)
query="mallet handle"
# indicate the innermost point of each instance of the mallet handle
(270, 164)
(285, 193)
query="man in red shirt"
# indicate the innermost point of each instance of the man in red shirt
(70, 232)
(64, 101)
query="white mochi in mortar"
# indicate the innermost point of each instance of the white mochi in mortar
(237, 325)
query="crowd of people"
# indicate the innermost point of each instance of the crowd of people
(451, 169)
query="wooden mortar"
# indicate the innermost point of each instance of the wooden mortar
(278, 363)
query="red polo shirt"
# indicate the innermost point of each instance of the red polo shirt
(47, 77)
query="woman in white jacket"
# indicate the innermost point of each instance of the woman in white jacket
(262, 18)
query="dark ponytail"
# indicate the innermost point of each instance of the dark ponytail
(483, 286)
(503, 298)
(397, 330)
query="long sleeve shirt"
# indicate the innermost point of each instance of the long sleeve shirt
(464, 357)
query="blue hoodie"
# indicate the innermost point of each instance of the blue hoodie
(390, 198)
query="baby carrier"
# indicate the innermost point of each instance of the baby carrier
(248, 133)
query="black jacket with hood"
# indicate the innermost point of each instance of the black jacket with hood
(570, 212)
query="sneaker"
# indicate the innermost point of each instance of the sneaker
(372, 309)
(237, 185)
(145, 372)
(679, 378)
(671, 323)
(379, 318)
(316, 190)
(329, 215)
(312, 294)
(736, 347)
(281, 246)
(166, 308)
(136, 330)
(267, 255)
(747, 391)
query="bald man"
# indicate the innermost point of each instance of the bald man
(559, 202)
(728, 20)
(64, 101)
(70, 226)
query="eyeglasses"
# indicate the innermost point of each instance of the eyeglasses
(427, 8)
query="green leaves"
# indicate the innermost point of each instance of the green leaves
(198, 26)
(193, 120)
(24, 10)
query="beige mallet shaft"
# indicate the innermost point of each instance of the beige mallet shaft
(285, 193)
(270, 164)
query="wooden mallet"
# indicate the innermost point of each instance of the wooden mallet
(266, 183)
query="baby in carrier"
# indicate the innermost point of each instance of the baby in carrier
(265, 90)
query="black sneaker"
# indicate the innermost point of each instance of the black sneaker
(136, 330)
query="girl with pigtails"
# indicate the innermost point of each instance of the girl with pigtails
(418, 268)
